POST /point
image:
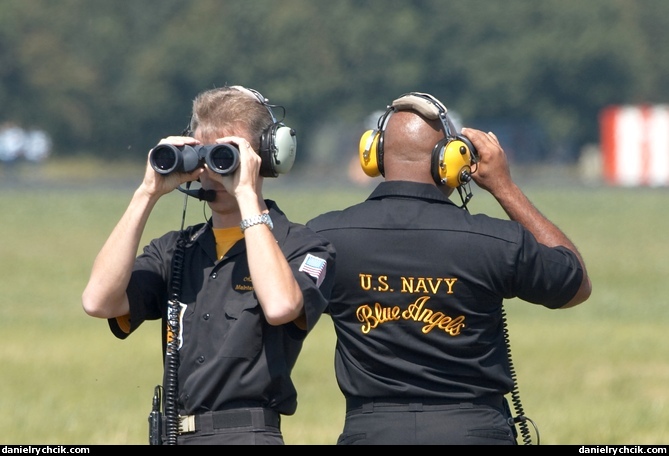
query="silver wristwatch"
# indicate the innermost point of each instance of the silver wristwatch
(256, 220)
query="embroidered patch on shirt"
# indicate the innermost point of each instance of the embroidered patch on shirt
(315, 267)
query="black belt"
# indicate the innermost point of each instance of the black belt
(417, 404)
(259, 418)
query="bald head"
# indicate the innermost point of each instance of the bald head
(408, 142)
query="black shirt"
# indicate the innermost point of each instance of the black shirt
(419, 288)
(229, 355)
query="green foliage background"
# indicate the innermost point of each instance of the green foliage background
(595, 374)
(112, 78)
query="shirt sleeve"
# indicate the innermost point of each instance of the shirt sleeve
(311, 258)
(147, 289)
(550, 276)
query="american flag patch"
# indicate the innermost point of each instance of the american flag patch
(315, 267)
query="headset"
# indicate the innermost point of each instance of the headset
(278, 143)
(452, 157)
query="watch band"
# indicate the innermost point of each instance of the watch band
(256, 220)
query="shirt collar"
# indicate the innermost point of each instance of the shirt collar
(281, 223)
(407, 189)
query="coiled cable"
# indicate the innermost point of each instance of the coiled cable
(520, 417)
(172, 349)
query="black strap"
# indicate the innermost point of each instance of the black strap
(353, 403)
(255, 417)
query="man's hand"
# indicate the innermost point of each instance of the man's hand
(492, 171)
(155, 184)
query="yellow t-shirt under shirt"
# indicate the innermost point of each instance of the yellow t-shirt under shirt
(226, 238)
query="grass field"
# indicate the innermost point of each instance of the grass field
(594, 374)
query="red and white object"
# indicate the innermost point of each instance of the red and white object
(635, 145)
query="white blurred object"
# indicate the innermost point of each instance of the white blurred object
(37, 146)
(12, 142)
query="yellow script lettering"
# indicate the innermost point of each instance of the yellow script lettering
(417, 312)
(371, 318)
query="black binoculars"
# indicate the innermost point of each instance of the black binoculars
(221, 158)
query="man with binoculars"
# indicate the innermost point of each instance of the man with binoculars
(237, 293)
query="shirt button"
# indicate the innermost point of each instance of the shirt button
(200, 359)
(205, 317)
(214, 275)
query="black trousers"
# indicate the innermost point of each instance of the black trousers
(391, 422)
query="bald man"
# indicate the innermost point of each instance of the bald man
(417, 300)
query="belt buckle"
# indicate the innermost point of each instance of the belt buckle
(186, 424)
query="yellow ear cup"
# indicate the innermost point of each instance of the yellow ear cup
(368, 153)
(455, 164)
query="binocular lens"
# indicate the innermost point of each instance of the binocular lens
(164, 158)
(223, 158)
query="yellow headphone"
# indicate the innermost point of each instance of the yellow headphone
(452, 157)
